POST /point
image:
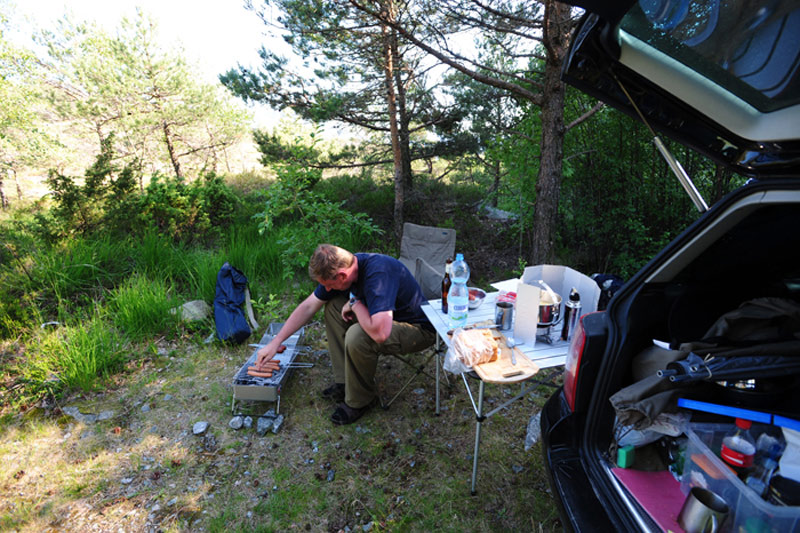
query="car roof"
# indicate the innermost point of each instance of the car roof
(720, 76)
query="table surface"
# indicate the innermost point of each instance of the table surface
(543, 354)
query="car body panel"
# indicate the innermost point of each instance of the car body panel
(740, 126)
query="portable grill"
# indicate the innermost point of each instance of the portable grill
(259, 389)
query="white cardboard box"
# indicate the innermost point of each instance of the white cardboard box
(561, 279)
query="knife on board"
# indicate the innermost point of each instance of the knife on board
(490, 326)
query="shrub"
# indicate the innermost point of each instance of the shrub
(297, 218)
(107, 202)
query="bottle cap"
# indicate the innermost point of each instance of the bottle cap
(743, 423)
(459, 257)
(574, 296)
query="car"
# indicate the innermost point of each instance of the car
(723, 78)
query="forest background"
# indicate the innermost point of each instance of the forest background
(126, 181)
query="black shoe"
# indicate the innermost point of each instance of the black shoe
(335, 392)
(344, 414)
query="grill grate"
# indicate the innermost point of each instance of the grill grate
(247, 387)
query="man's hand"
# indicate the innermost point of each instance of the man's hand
(266, 353)
(348, 315)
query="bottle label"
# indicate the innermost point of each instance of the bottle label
(735, 458)
(459, 310)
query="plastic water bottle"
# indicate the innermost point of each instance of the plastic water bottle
(458, 296)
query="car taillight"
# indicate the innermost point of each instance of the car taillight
(573, 363)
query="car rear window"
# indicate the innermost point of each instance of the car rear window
(749, 49)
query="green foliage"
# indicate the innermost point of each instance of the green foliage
(140, 307)
(620, 204)
(298, 218)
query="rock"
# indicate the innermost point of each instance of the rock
(172, 502)
(517, 469)
(276, 425)
(248, 422)
(367, 527)
(126, 480)
(167, 397)
(193, 311)
(498, 214)
(331, 474)
(105, 415)
(146, 408)
(74, 412)
(71, 411)
(264, 424)
(199, 428)
(236, 422)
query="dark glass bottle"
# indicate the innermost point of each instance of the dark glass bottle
(446, 282)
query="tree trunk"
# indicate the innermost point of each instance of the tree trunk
(399, 192)
(173, 157)
(404, 120)
(548, 185)
(3, 200)
(496, 171)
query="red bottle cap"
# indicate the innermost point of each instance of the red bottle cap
(743, 423)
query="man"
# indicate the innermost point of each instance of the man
(372, 307)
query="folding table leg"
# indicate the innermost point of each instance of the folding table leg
(478, 421)
(437, 363)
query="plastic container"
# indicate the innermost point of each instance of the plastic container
(704, 468)
(458, 297)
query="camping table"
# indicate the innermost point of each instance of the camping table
(543, 354)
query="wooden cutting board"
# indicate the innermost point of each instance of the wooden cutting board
(501, 370)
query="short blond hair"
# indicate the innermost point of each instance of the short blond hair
(328, 259)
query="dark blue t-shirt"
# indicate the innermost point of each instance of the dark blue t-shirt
(385, 284)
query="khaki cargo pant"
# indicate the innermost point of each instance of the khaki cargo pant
(355, 355)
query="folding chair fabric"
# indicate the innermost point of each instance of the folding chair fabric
(424, 251)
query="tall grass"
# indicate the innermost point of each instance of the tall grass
(192, 269)
(69, 271)
(74, 356)
(140, 307)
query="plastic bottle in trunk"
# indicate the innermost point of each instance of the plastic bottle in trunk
(739, 448)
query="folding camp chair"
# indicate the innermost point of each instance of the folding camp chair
(424, 250)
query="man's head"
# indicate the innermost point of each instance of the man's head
(333, 267)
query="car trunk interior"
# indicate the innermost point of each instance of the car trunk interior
(751, 250)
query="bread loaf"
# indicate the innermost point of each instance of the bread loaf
(475, 346)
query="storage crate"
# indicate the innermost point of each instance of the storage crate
(704, 468)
